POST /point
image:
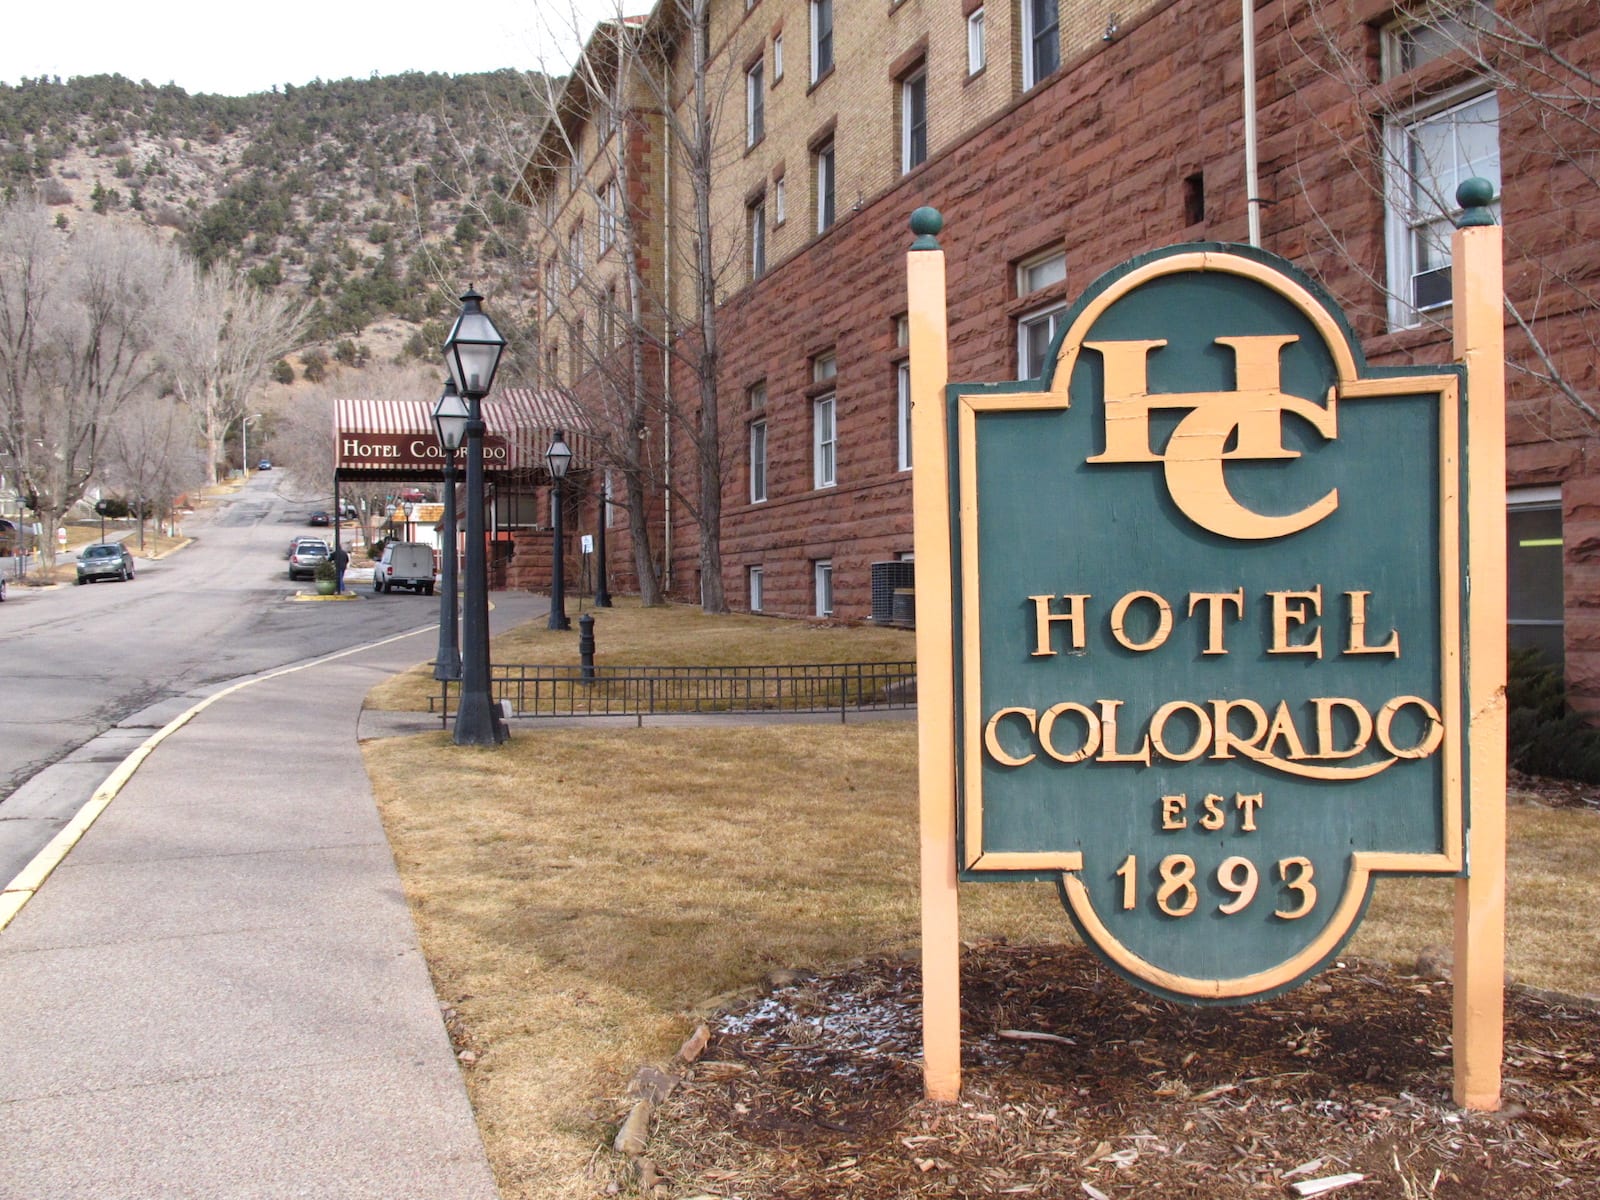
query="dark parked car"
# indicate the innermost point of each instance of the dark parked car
(306, 557)
(320, 517)
(105, 560)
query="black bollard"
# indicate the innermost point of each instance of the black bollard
(586, 647)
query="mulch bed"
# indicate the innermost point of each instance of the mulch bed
(815, 1091)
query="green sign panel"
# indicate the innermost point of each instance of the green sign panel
(1209, 582)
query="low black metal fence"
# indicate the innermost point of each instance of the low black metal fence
(630, 691)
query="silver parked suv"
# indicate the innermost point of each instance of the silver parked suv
(104, 560)
(306, 557)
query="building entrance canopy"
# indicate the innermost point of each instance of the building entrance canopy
(394, 440)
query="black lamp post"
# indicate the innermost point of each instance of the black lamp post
(472, 352)
(450, 417)
(558, 458)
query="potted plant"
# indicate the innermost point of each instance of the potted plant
(326, 576)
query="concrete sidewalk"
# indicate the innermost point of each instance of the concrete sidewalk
(219, 992)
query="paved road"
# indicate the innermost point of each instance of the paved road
(83, 662)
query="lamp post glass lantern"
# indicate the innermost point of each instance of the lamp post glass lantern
(558, 458)
(450, 416)
(472, 353)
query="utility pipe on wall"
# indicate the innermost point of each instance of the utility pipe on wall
(1252, 197)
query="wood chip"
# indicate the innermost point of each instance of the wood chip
(1029, 1035)
(1328, 1183)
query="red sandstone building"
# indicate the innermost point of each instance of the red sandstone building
(1057, 139)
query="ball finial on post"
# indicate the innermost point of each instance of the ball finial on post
(1474, 196)
(926, 223)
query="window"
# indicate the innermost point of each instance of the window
(822, 571)
(779, 203)
(756, 397)
(777, 57)
(1035, 329)
(607, 221)
(606, 334)
(758, 461)
(574, 256)
(821, 38)
(825, 186)
(1041, 271)
(824, 443)
(756, 578)
(756, 227)
(824, 367)
(914, 120)
(1535, 601)
(1034, 333)
(977, 58)
(1428, 155)
(1408, 46)
(755, 119)
(1041, 40)
(552, 283)
(902, 379)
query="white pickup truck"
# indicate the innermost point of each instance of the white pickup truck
(405, 565)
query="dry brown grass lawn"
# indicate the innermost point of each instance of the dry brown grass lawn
(580, 893)
(669, 636)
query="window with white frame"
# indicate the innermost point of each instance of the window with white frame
(1036, 328)
(902, 383)
(914, 119)
(777, 57)
(1535, 598)
(758, 461)
(821, 38)
(1041, 40)
(756, 229)
(1445, 28)
(824, 443)
(779, 201)
(822, 572)
(756, 398)
(977, 53)
(756, 579)
(824, 162)
(755, 104)
(1429, 152)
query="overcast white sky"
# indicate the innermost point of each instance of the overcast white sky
(239, 48)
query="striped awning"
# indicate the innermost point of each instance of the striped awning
(395, 438)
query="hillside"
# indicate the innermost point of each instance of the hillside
(373, 199)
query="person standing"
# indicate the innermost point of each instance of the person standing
(341, 560)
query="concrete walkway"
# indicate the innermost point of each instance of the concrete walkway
(219, 992)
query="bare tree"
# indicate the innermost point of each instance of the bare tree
(153, 457)
(1546, 119)
(302, 431)
(227, 337)
(80, 329)
(654, 79)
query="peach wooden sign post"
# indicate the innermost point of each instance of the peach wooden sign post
(1449, 722)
